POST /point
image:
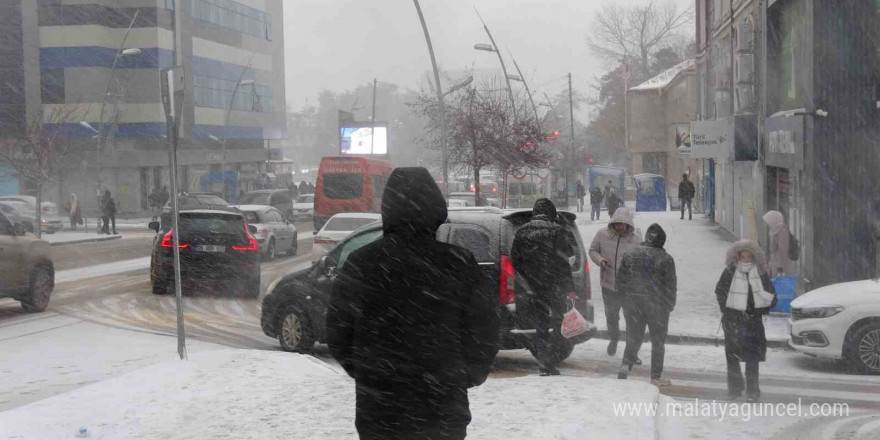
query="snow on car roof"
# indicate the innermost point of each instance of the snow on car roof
(252, 208)
(358, 215)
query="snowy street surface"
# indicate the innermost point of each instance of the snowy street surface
(698, 247)
(249, 394)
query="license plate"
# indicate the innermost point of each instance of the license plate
(210, 248)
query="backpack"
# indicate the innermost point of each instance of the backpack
(794, 247)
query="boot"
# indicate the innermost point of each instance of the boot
(549, 371)
(623, 371)
(612, 348)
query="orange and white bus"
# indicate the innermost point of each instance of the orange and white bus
(349, 184)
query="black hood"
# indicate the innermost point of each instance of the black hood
(545, 207)
(655, 237)
(412, 203)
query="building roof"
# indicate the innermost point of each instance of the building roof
(666, 78)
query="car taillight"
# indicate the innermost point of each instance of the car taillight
(323, 240)
(252, 245)
(588, 291)
(168, 241)
(494, 189)
(507, 282)
(46, 208)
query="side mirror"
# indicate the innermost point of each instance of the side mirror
(328, 264)
(154, 226)
(314, 232)
(252, 229)
(19, 229)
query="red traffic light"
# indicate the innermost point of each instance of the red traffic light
(591, 161)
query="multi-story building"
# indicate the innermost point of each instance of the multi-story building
(234, 107)
(794, 85)
(659, 112)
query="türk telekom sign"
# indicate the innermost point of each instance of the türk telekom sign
(710, 139)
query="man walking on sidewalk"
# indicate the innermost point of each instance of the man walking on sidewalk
(686, 193)
(607, 250)
(581, 193)
(647, 275)
(596, 198)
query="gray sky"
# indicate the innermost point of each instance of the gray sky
(340, 44)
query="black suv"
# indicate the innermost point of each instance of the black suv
(295, 306)
(217, 250)
(189, 201)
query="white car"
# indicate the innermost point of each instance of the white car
(25, 208)
(304, 206)
(840, 321)
(338, 228)
(273, 232)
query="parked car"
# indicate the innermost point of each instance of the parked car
(274, 233)
(295, 306)
(26, 208)
(840, 321)
(304, 208)
(216, 248)
(278, 198)
(28, 274)
(338, 228)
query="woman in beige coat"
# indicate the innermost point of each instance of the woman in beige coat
(780, 261)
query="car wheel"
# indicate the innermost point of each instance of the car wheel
(294, 333)
(862, 347)
(41, 286)
(560, 350)
(294, 247)
(270, 250)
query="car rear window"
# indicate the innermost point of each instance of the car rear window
(251, 217)
(211, 223)
(343, 186)
(255, 199)
(347, 223)
(474, 240)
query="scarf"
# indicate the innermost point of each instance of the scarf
(744, 277)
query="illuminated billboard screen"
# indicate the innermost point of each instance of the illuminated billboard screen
(363, 141)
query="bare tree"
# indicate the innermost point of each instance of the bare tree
(635, 32)
(483, 132)
(38, 156)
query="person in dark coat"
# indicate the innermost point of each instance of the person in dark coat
(647, 275)
(744, 293)
(686, 192)
(540, 253)
(413, 320)
(311, 187)
(303, 187)
(108, 213)
(612, 200)
(581, 193)
(596, 198)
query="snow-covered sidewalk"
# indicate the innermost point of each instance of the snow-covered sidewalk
(250, 394)
(699, 247)
(66, 237)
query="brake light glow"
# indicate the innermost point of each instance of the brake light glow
(168, 241)
(507, 282)
(323, 240)
(252, 245)
(46, 208)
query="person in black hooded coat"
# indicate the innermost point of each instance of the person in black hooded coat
(540, 253)
(647, 275)
(413, 320)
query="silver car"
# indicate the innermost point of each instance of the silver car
(273, 232)
(24, 207)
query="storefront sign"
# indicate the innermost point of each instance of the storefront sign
(710, 139)
(683, 140)
(785, 142)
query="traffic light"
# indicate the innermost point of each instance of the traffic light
(590, 160)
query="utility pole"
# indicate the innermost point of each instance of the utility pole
(571, 141)
(373, 118)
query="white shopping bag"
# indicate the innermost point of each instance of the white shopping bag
(573, 323)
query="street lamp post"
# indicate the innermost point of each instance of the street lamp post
(521, 78)
(494, 48)
(241, 82)
(120, 53)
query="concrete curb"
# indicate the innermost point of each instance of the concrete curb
(87, 240)
(680, 339)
